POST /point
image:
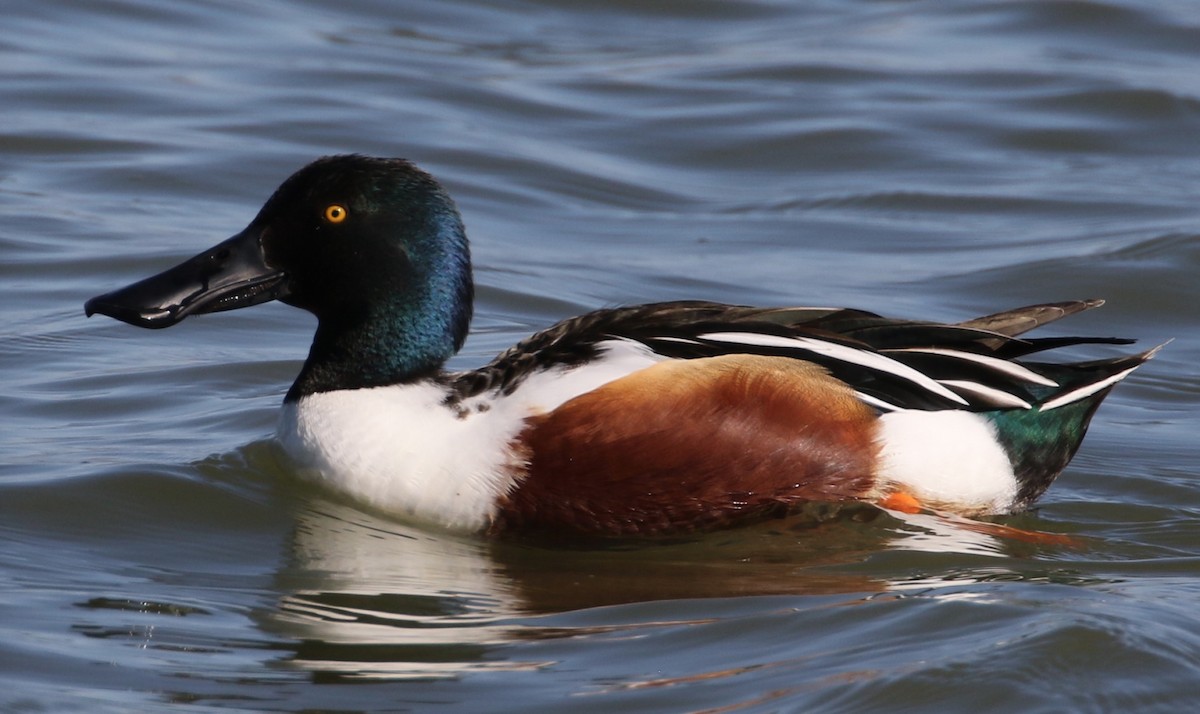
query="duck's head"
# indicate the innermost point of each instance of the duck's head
(375, 248)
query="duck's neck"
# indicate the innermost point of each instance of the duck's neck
(374, 354)
(405, 339)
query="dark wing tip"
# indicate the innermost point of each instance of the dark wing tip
(1023, 319)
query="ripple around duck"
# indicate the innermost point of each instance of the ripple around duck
(1098, 22)
(1121, 104)
(1028, 650)
(1147, 275)
(976, 204)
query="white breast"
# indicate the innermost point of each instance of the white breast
(401, 450)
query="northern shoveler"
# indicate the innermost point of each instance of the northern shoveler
(645, 420)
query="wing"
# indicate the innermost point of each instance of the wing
(891, 364)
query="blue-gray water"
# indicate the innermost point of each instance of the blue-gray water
(925, 159)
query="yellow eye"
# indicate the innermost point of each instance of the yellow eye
(336, 213)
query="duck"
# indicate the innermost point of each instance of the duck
(634, 421)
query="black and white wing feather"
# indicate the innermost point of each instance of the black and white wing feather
(892, 364)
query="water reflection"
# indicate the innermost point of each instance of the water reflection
(366, 598)
(370, 599)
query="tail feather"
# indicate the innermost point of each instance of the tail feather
(1041, 441)
(1018, 321)
(1080, 380)
(1023, 319)
(1016, 348)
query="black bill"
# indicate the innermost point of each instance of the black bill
(230, 275)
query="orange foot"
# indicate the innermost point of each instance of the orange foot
(901, 501)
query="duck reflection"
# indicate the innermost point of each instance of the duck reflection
(368, 598)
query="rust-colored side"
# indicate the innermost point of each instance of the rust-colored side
(693, 444)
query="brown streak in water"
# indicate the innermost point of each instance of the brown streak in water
(998, 530)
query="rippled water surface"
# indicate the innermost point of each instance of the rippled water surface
(922, 159)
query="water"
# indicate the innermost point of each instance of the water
(924, 159)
